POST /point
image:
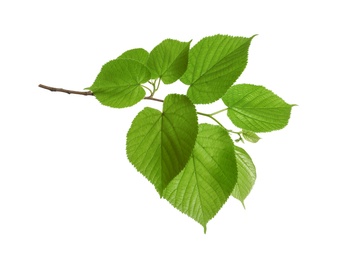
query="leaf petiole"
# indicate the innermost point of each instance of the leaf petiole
(234, 132)
(219, 111)
(151, 83)
(220, 124)
(237, 133)
(159, 82)
(151, 92)
(154, 85)
(210, 116)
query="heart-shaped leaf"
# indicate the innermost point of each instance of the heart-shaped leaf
(168, 60)
(246, 175)
(159, 144)
(256, 108)
(214, 65)
(119, 83)
(209, 177)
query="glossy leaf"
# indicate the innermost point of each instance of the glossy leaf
(119, 83)
(246, 175)
(256, 108)
(209, 177)
(159, 144)
(214, 65)
(168, 60)
(138, 54)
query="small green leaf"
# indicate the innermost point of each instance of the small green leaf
(159, 144)
(168, 60)
(209, 177)
(250, 136)
(138, 54)
(256, 108)
(215, 63)
(119, 83)
(246, 175)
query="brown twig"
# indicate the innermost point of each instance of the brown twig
(84, 93)
(154, 99)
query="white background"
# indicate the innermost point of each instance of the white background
(67, 190)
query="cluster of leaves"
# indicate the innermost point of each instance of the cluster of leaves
(196, 167)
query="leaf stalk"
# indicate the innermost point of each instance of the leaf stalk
(219, 111)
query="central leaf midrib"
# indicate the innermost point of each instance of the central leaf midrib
(199, 146)
(163, 125)
(168, 66)
(197, 185)
(261, 118)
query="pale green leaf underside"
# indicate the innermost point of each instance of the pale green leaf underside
(138, 54)
(209, 177)
(256, 108)
(215, 63)
(119, 83)
(168, 60)
(159, 144)
(250, 136)
(246, 175)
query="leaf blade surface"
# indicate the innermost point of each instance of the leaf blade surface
(250, 136)
(209, 177)
(246, 175)
(138, 54)
(159, 144)
(215, 63)
(119, 82)
(256, 108)
(168, 60)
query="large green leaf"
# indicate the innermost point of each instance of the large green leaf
(214, 65)
(168, 60)
(159, 144)
(246, 175)
(209, 177)
(256, 108)
(119, 83)
(138, 54)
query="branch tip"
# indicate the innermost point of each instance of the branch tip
(85, 93)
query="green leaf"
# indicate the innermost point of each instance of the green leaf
(168, 60)
(119, 83)
(215, 63)
(256, 108)
(138, 54)
(209, 177)
(250, 136)
(159, 144)
(246, 175)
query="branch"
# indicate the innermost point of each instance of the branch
(84, 93)
(154, 99)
